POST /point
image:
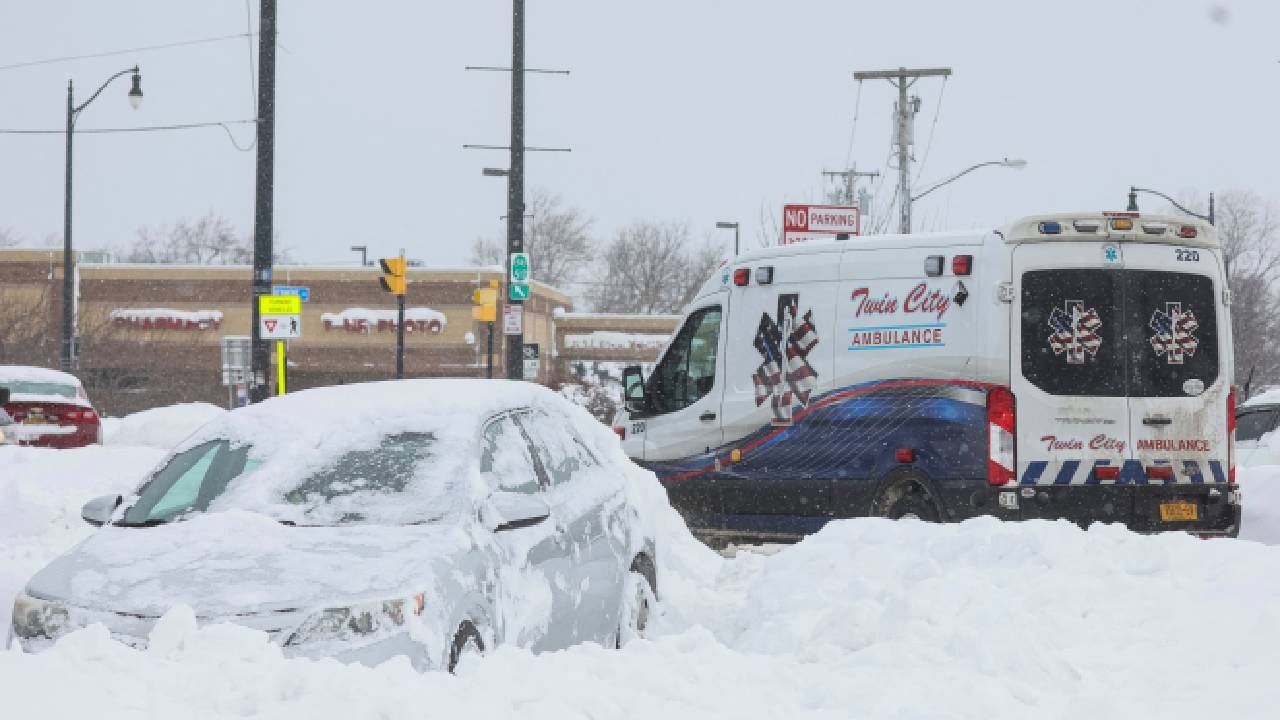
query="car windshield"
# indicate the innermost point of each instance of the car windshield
(23, 387)
(392, 482)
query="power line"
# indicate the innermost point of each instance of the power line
(224, 124)
(110, 53)
(937, 110)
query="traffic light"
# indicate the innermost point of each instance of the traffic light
(486, 303)
(393, 278)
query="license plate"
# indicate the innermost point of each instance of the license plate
(1179, 512)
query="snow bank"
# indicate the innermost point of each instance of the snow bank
(1260, 486)
(41, 492)
(162, 427)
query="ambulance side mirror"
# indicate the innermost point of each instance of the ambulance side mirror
(4, 395)
(633, 389)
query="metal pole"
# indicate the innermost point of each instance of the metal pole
(68, 271)
(263, 196)
(400, 337)
(281, 368)
(904, 156)
(735, 239)
(515, 181)
(489, 362)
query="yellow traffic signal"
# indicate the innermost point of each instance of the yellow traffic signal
(486, 304)
(393, 279)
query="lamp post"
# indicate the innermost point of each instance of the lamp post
(734, 227)
(364, 253)
(1133, 203)
(70, 353)
(1015, 163)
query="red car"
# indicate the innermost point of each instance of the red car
(49, 408)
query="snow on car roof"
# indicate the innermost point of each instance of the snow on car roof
(1269, 397)
(27, 373)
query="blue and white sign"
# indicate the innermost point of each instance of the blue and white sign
(302, 292)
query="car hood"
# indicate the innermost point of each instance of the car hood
(234, 563)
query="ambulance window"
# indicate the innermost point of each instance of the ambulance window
(1072, 332)
(1172, 327)
(1252, 425)
(688, 371)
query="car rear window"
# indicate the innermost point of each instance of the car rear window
(1109, 333)
(1072, 334)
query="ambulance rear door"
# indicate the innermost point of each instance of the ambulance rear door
(1068, 363)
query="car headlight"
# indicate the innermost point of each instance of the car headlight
(356, 622)
(36, 619)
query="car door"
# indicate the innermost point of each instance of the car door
(534, 606)
(586, 508)
(682, 416)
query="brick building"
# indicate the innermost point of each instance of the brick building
(151, 334)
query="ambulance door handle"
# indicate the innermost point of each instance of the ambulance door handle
(707, 416)
(1157, 420)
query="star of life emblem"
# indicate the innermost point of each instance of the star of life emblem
(1075, 332)
(785, 376)
(1174, 336)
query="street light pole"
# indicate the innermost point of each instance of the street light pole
(264, 198)
(1133, 203)
(734, 226)
(1016, 164)
(70, 353)
(364, 253)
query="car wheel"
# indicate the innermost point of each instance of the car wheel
(638, 602)
(913, 504)
(466, 643)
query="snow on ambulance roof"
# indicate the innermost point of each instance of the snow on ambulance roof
(26, 373)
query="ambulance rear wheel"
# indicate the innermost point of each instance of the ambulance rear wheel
(914, 504)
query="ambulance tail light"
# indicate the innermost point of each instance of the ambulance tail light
(1187, 232)
(1001, 439)
(741, 277)
(961, 264)
(1231, 435)
(620, 431)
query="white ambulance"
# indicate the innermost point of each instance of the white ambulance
(1072, 366)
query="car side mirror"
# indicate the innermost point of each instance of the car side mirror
(512, 510)
(4, 395)
(633, 389)
(98, 511)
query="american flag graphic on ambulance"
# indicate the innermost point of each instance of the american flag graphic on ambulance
(785, 376)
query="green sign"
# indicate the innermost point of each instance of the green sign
(519, 291)
(519, 268)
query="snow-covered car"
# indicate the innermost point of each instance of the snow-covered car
(50, 407)
(1256, 419)
(425, 518)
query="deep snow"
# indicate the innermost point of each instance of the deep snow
(868, 618)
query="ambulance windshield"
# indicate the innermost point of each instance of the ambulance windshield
(1111, 333)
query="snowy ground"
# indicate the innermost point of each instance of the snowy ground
(866, 619)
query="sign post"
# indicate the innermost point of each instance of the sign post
(280, 319)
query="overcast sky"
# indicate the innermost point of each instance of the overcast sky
(675, 109)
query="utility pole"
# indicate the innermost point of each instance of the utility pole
(850, 177)
(515, 185)
(264, 194)
(905, 112)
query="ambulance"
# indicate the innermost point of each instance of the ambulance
(1067, 366)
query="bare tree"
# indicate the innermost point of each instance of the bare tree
(555, 236)
(1247, 228)
(209, 240)
(653, 268)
